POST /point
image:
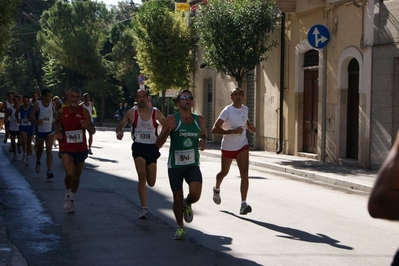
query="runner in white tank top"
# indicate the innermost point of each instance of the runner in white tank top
(145, 153)
(42, 115)
(89, 106)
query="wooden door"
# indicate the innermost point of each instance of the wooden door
(310, 111)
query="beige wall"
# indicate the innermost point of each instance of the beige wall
(347, 25)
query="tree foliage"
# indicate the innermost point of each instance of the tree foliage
(7, 10)
(123, 53)
(72, 40)
(74, 34)
(163, 43)
(21, 67)
(235, 34)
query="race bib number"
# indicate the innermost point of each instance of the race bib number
(145, 136)
(47, 119)
(184, 157)
(74, 136)
(25, 122)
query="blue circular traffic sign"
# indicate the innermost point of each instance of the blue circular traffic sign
(141, 79)
(318, 36)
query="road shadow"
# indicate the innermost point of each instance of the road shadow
(295, 234)
(103, 220)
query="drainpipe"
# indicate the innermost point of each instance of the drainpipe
(282, 53)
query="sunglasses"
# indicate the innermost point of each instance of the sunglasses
(186, 97)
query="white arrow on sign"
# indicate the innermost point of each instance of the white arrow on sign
(322, 39)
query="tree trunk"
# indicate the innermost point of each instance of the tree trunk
(239, 81)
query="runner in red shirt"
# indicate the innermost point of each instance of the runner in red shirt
(74, 120)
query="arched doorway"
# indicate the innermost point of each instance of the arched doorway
(352, 126)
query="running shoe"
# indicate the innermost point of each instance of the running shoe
(72, 209)
(69, 205)
(188, 214)
(179, 233)
(10, 149)
(37, 167)
(245, 208)
(216, 196)
(26, 161)
(67, 202)
(49, 174)
(15, 158)
(5, 140)
(143, 214)
(90, 152)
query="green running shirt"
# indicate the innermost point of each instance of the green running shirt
(184, 139)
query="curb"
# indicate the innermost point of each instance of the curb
(295, 173)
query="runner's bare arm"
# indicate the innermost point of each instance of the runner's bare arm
(161, 119)
(32, 113)
(57, 126)
(7, 114)
(250, 127)
(170, 123)
(126, 118)
(202, 141)
(217, 129)
(384, 198)
(86, 123)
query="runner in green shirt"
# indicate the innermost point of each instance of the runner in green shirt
(187, 137)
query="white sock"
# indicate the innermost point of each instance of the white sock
(71, 195)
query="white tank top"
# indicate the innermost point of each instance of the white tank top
(89, 108)
(14, 125)
(47, 114)
(144, 131)
(8, 106)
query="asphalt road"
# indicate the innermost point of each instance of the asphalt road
(293, 222)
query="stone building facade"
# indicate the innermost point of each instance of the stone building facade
(338, 103)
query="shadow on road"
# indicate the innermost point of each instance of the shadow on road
(104, 230)
(295, 234)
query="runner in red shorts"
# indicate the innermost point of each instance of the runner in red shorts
(232, 124)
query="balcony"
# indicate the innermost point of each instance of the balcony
(286, 5)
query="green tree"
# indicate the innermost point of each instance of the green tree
(21, 67)
(7, 10)
(74, 34)
(123, 53)
(72, 39)
(163, 43)
(235, 34)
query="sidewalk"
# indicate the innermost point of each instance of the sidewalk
(301, 167)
